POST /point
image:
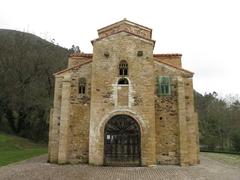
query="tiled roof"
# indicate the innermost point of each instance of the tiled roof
(167, 55)
(74, 67)
(90, 55)
(125, 32)
(179, 68)
(90, 60)
(86, 55)
(124, 20)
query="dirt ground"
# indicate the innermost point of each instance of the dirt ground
(38, 169)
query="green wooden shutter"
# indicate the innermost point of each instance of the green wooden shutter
(164, 85)
(159, 85)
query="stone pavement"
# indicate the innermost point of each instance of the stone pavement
(38, 169)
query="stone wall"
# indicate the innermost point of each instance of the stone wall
(122, 95)
(166, 112)
(174, 60)
(167, 130)
(192, 123)
(80, 116)
(175, 139)
(69, 125)
(104, 100)
(73, 61)
(176, 121)
(126, 26)
(54, 123)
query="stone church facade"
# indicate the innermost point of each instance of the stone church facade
(123, 105)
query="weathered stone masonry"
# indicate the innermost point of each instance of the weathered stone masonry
(168, 123)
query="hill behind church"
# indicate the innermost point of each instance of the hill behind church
(27, 63)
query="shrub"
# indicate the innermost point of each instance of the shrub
(235, 138)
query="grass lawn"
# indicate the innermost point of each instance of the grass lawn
(13, 149)
(231, 159)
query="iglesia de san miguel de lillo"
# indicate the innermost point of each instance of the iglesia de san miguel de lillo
(123, 105)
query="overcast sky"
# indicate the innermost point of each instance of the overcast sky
(206, 32)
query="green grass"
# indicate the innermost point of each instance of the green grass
(14, 149)
(231, 159)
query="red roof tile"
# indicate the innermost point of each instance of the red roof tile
(125, 32)
(124, 20)
(90, 60)
(86, 55)
(158, 60)
(74, 67)
(167, 55)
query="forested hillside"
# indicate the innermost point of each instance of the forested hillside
(219, 122)
(27, 63)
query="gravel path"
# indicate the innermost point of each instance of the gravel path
(37, 169)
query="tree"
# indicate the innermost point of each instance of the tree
(74, 49)
(26, 86)
(218, 119)
(235, 137)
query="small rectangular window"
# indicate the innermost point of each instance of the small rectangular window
(164, 85)
(82, 86)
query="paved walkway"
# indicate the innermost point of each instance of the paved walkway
(38, 169)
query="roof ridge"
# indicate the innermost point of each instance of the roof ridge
(124, 20)
(158, 60)
(167, 55)
(90, 60)
(125, 32)
(81, 54)
(91, 54)
(76, 66)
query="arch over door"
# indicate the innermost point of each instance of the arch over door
(122, 142)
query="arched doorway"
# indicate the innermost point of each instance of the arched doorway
(122, 142)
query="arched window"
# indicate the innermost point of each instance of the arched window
(123, 68)
(164, 85)
(123, 81)
(82, 86)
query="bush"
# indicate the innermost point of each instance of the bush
(235, 138)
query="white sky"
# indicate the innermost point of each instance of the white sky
(206, 32)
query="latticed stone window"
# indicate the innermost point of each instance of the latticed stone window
(123, 68)
(82, 86)
(164, 85)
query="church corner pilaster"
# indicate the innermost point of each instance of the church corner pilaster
(64, 121)
(183, 151)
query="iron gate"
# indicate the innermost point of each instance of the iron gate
(122, 142)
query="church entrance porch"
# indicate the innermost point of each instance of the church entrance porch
(122, 142)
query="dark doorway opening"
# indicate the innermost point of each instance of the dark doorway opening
(122, 142)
